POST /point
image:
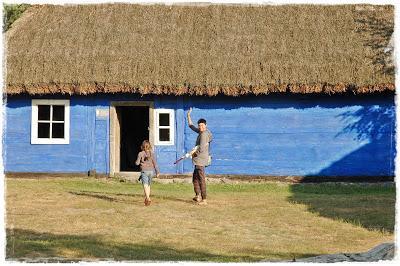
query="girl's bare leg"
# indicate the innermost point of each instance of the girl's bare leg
(146, 189)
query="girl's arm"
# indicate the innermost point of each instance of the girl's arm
(139, 158)
(155, 165)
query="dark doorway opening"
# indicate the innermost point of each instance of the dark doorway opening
(134, 128)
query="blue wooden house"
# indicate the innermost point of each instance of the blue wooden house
(290, 90)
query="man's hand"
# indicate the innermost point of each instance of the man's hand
(157, 175)
(193, 151)
(188, 117)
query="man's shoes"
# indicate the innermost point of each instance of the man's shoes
(197, 198)
(203, 202)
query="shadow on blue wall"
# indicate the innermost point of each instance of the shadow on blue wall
(369, 206)
(375, 124)
(372, 123)
(368, 119)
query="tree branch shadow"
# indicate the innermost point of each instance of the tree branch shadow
(376, 26)
(370, 207)
(32, 246)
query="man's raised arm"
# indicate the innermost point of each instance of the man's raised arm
(190, 123)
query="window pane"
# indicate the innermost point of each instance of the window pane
(164, 119)
(58, 112)
(43, 112)
(164, 134)
(58, 131)
(44, 130)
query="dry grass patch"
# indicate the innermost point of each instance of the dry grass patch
(82, 219)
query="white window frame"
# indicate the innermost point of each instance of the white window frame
(171, 126)
(35, 121)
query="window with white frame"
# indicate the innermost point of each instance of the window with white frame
(164, 123)
(50, 122)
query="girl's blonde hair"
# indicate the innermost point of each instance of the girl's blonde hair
(146, 146)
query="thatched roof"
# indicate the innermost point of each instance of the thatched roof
(200, 49)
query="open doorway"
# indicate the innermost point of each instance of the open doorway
(134, 128)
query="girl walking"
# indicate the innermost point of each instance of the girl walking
(148, 168)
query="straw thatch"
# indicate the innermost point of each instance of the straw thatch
(200, 50)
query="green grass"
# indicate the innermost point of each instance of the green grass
(373, 210)
(91, 219)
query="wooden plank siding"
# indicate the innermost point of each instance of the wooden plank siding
(22, 156)
(298, 135)
(253, 135)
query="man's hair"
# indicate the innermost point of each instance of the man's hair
(202, 120)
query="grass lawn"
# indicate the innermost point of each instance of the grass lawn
(85, 219)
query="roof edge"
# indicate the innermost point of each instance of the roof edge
(86, 89)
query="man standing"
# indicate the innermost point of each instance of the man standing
(200, 158)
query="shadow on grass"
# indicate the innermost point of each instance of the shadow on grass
(96, 195)
(45, 247)
(116, 197)
(371, 207)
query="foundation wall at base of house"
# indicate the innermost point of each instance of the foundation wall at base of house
(228, 179)
(272, 135)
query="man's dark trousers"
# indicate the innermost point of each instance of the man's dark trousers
(199, 181)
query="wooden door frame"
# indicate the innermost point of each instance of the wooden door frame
(115, 128)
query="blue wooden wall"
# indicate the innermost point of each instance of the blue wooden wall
(267, 135)
(21, 156)
(299, 135)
